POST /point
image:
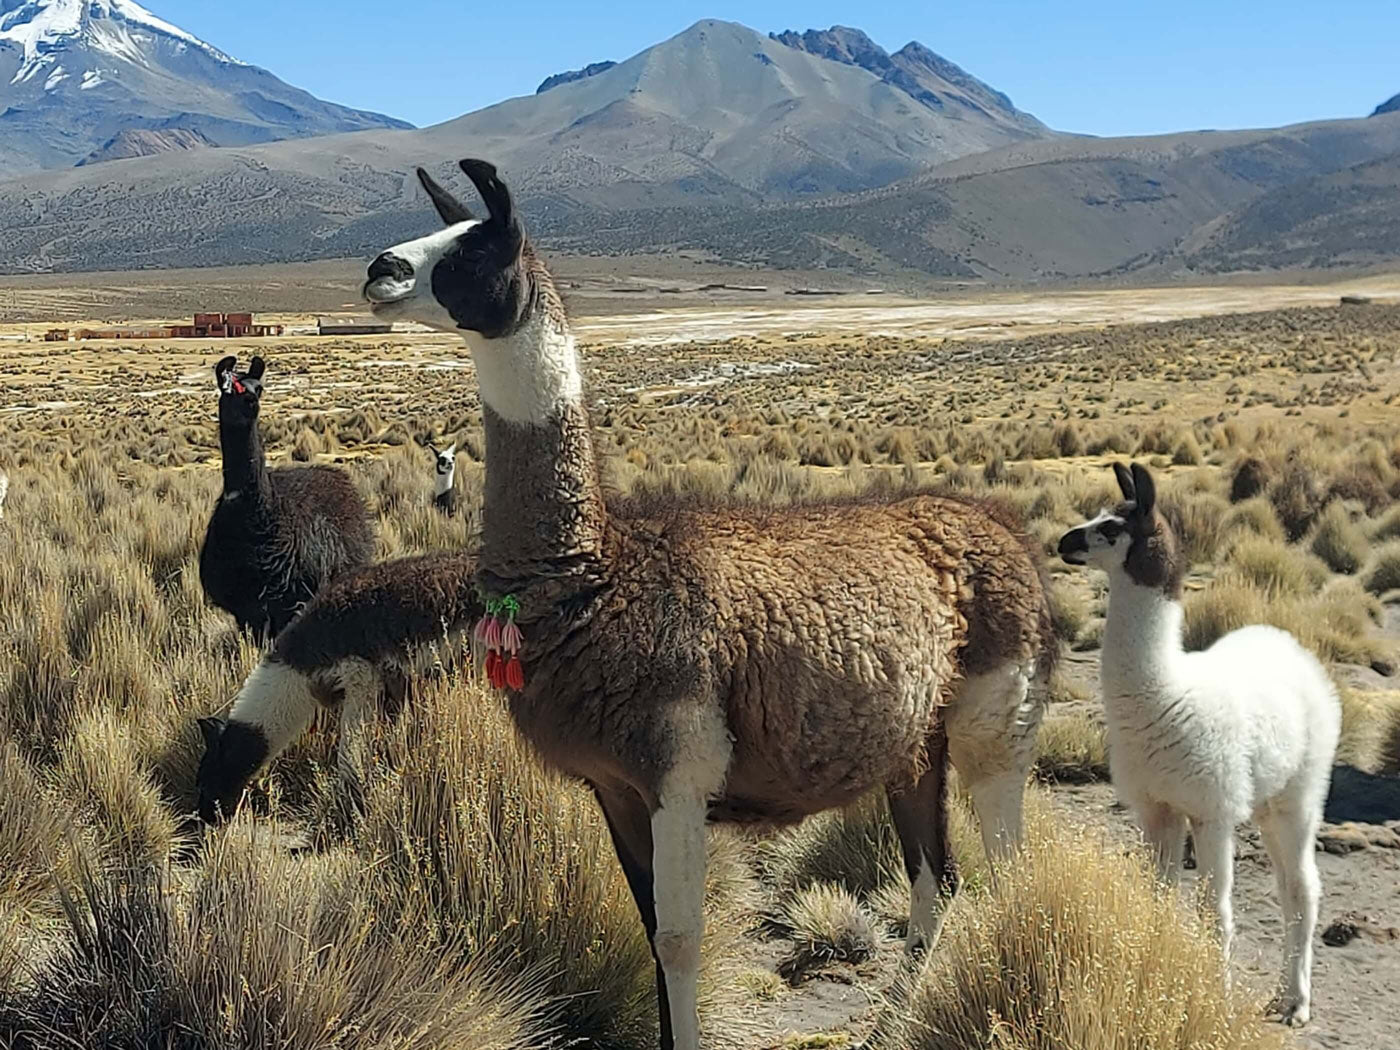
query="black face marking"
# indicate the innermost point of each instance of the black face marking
(481, 286)
(1074, 545)
(234, 752)
(390, 265)
(1111, 529)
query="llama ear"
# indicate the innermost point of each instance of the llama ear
(433, 449)
(450, 450)
(1125, 481)
(223, 368)
(212, 728)
(1146, 490)
(450, 210)
(255, 368)
(497, 197)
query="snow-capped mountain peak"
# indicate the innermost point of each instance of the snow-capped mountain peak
(122, 29)
(85, 80)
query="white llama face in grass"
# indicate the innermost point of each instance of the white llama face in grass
(446, 459)
(466, 277)
(1102, 542)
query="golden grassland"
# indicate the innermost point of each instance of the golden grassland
(478, 903)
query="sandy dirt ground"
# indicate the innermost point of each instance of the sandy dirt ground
(965, 316)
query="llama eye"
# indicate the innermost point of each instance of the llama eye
(1110, 530)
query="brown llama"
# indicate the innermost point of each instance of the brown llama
(722, 663)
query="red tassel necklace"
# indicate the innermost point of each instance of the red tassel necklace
(501, 636)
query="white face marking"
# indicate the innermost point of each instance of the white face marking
(1108, 540)
(446, 470)
(412, 298)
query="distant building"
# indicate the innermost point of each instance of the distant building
(206, 326)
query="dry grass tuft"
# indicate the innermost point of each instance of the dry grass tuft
(1250, 478)
(1339, 541)
(1069, 610)
(1079, 947)
(334, 962)
(828, 926)
(1071, 749)
(1383, 572)
(1336, 623)
(1252, 517)
(1370, 730)
(1280, 571)
(855, 848)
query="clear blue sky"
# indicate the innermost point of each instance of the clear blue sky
(1098, 67)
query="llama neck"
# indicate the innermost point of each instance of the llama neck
(543, 516)
(442, 483)
(245, 463)
(1142, 639)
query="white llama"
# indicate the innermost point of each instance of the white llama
(444, 478)
(1245, 729)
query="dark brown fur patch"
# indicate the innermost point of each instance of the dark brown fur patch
(381, 612)
(1154, 558)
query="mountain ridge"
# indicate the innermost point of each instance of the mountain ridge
(76, 75)
(724, 143)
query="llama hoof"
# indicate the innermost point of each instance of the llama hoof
(1291, 1012)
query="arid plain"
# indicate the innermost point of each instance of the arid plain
(480, 895)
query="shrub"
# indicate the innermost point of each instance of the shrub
(1250, 478)
(828, 925)
(1297, 501)
(1071, 749)
(1251, 517)
(1044, 964)
(1339, 541)
(1276, 568)
(1383, 572)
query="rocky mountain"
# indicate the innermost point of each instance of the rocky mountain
(1390, 105)
(590, 70)
(729, 144)
(926, 77)
(141, 142)
(77, 75)
(724, 112)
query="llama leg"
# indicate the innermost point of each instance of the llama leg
(629, 824)
(360, 687)
(394, 693)
(678, 862)
(1289, 836)
(1164, 828)
(997, 801)
(1215, 858)
(921, 818)
(991, 725)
